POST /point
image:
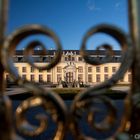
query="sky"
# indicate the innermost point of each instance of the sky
(69, 19)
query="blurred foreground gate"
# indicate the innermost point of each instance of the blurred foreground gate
(65, 119)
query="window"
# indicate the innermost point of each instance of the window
(23, 76)
(69, 58)
(32, 77)
(80, 69)
(113, 69)
(98, 79)
(59, 69)
(40, 70)
(89, 69)
(89, 77)
(59, 77)
(66, 59)
(32, 69)
(23, 69)
(49, 78)
(79, 58)
(73, 59)
(97, 69)
(49, 70)
(129, 78)
(105, 69)
(80, 77)
(40, 78)
(106, 77)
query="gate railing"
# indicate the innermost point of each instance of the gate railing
(67, 119)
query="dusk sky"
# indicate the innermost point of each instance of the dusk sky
(69, 19)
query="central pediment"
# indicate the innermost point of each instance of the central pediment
(70, 68)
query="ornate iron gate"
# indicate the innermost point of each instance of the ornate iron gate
(84, 102)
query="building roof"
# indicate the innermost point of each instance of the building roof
(77, 52)
(39, 56)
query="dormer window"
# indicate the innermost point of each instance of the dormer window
(69, 58)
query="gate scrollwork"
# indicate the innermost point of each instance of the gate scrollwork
(83, 102)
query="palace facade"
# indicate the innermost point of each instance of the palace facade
(72, 67)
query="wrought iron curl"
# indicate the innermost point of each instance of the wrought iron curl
(52, 104)
(16, 37)
(87, 106)
(127, 55)
(45, 98)
(83, 101)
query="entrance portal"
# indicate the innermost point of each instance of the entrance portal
(70, 73)
(69, 77)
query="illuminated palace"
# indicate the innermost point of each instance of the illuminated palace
(72, 67)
